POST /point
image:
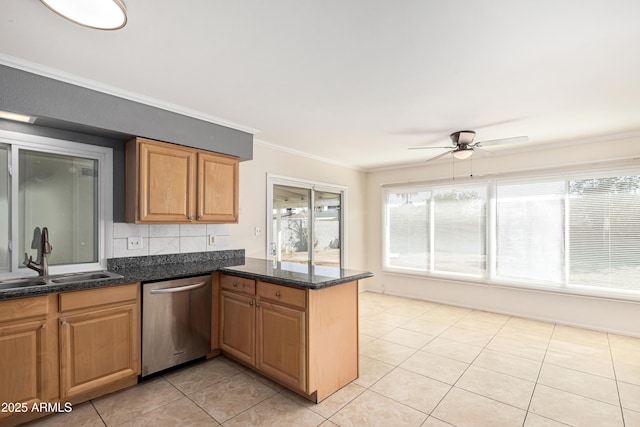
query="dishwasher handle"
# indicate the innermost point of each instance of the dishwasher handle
(177, 289)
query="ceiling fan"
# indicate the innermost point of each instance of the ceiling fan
(463, 145)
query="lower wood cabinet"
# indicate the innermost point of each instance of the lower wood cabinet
(306, 340)
(237, 321)
(99, 339)
(28, 359)
(280, 346)
(67, 347)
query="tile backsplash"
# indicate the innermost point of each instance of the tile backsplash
(159, 239)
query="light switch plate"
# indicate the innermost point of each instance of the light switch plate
(258, 231)
(212, 239)
(134, 243)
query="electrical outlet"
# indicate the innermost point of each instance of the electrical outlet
(134, 243)
(258, 231)
(212, 239)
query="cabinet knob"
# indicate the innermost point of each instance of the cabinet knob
(199, 217)
(278, 293)
(251, 302)
(64, 322)
(257, 305)
(44, 326)
(190, 218)
(234, 284)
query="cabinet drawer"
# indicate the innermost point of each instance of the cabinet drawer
(97, 297)
(23, 308)
(238, 284)
(283, 294)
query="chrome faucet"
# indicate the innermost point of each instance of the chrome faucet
(43, 267)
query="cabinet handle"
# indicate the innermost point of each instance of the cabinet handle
(277, 293)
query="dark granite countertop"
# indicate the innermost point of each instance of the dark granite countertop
(164, 267)
(294, 274)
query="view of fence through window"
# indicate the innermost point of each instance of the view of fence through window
(306, 225)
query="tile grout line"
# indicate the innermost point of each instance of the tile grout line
(615, 379)
(535, 384)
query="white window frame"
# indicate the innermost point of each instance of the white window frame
(311, 185)
(104, 156)
(620, 168)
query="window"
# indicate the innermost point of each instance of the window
(61, 185)
(459, 224)
(530, 230)
(579, 233)
(306, 224)
(604, 232)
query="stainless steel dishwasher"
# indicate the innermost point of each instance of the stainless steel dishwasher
(176, 322)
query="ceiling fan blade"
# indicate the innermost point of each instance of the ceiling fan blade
(483, 151)
(424, 148)
(503, 141)
(441, 155)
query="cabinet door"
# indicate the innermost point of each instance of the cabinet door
(281, 344)
(23, 362)
(217, 188)
(98, 348)
(237, 326)
(166, 182)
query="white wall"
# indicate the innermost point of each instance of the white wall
(253, 199)
(596, 313)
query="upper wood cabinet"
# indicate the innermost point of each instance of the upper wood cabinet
(168, 183)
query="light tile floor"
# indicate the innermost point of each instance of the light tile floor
(421, 364)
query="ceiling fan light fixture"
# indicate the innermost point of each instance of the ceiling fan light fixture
(463, 153)
(97, 14)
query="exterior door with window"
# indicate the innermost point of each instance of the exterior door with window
(306, 224)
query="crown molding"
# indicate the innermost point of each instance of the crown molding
(304, 154)
(52, 73)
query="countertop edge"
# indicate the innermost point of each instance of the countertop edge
(156, 273)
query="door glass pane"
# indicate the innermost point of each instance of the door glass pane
(4, 208)
(291, 224)
(460, 218)
(61, 193)
(326, 228)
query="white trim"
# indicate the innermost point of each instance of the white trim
(307, 155)
(52, 73)
(104, 155)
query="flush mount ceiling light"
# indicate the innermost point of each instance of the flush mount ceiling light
(98, 14)
(16, 117)
(463, 153)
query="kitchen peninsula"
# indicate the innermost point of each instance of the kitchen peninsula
(294, 323)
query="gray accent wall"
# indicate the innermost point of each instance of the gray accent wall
(72, 107)
(74, 113)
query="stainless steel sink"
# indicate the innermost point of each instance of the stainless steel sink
(85, 277)
(22, 282)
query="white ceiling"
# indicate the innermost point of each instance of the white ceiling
(360, 81)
